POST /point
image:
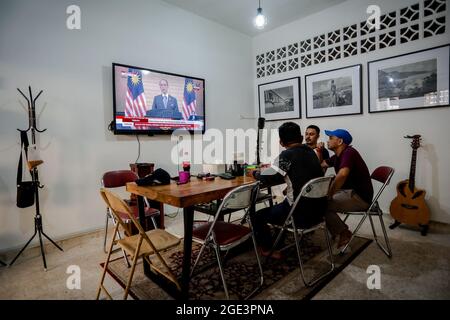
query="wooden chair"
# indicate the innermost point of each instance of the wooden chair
(142, 245)
(223, 236)
(314, 189)
(116, 179)
(383, 175)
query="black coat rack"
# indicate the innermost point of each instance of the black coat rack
(35, 176)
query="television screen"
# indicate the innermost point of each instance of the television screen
(148, 101)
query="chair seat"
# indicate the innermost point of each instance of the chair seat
(262, 197)
(226, 233)
(161, 240)
(149, 212)
(212, 207)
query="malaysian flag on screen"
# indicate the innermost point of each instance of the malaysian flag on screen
(189, 100)
(135, 105)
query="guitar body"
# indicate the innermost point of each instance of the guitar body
(409, 206)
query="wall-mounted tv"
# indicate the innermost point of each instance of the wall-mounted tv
(147, 101)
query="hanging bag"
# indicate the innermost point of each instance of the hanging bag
(25, 189)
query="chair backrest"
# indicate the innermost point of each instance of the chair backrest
(381, 174)
(118, 178)
(314, 189)
(116, 204)
(239, 198)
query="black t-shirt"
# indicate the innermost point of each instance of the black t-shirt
(295, 167)
(325, 154)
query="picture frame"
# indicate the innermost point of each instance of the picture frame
(416, 80)
(336, 92)
(280, 100)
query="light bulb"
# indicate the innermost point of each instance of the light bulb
(260, 20)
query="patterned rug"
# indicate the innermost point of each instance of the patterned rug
(242, 272)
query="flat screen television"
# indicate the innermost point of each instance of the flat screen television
(148, 101)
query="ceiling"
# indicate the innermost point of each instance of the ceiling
(239, 14)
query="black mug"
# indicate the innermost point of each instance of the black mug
(237, 169)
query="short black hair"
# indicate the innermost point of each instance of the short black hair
(289, 132)
(313, 126)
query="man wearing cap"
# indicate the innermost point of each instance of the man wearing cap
(352, 188)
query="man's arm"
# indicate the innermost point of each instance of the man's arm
(339, 181)
(329, 162)
(269, 177)
(319, 152)
(324, 164)
(154, 103)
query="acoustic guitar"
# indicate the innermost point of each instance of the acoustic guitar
(409, 206)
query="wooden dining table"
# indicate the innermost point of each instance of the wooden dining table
(184, 196)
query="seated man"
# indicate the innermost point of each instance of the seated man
(295, 166)
(352, 188)
(312, 135)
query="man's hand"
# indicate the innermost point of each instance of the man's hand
(339, 181)
(254, 173)
(320, 146)
(318, 150)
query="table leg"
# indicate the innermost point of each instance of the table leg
(269, 190)
(188, 219)
(141, 207)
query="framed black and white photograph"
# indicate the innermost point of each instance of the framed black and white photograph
(412, 81)
(280, 100)
(332, 93)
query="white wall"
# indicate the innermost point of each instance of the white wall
(74, 70)
(378, 137)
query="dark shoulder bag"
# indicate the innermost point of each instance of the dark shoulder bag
(25, 189)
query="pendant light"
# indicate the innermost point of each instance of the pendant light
(260, 19)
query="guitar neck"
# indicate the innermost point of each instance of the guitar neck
(412, 170)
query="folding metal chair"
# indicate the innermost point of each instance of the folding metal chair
(315, 189)
(142, 245)
(210, 208)
(223, 236)
(383, 175)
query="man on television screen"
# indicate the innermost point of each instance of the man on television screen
(164, 105)
(164, 100)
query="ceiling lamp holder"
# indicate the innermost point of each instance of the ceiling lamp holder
(260, 19)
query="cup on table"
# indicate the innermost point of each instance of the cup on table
(184, 177)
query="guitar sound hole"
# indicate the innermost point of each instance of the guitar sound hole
(408, 206)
